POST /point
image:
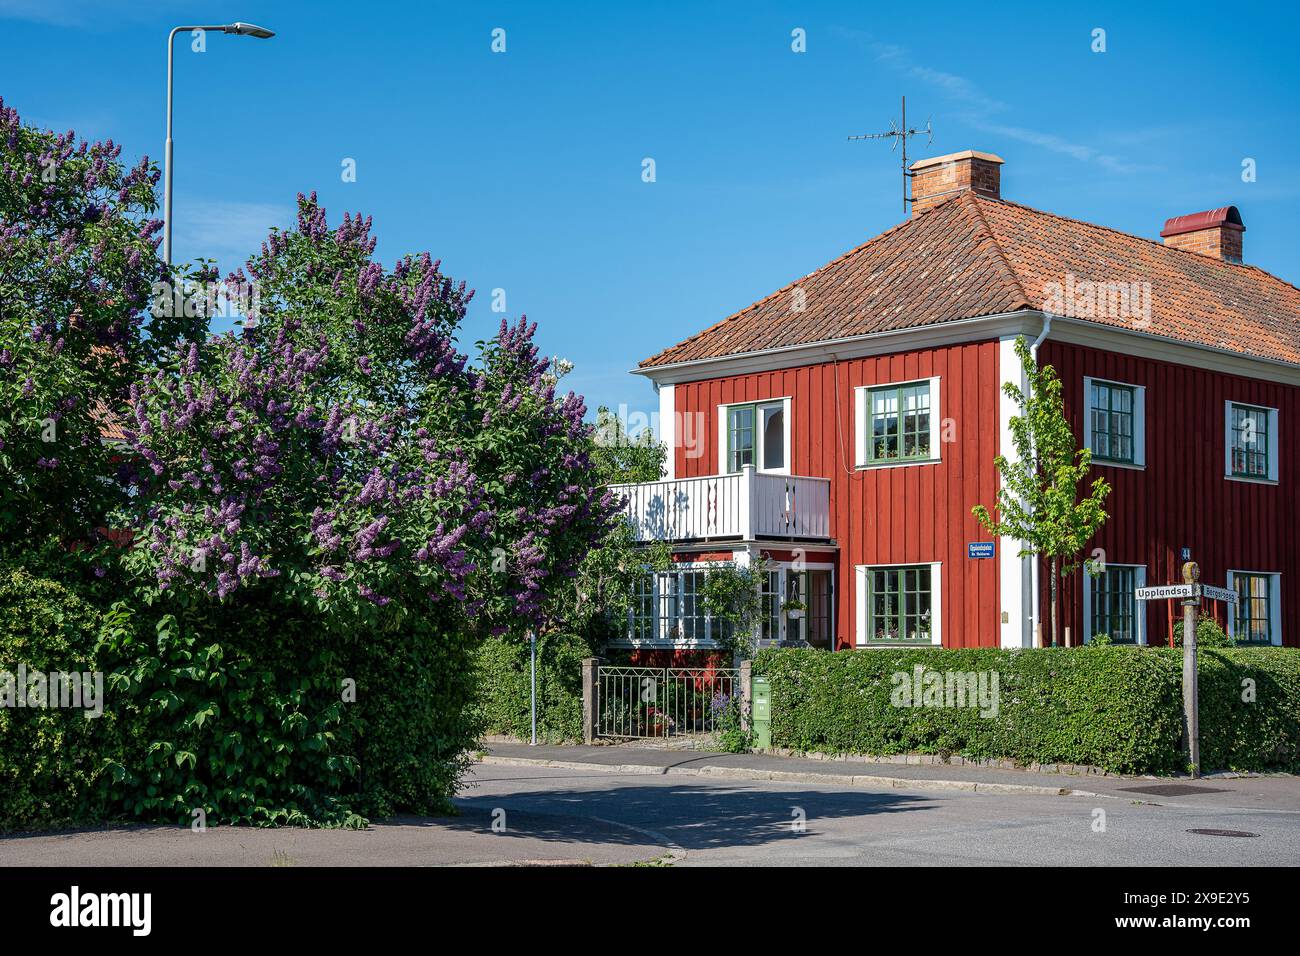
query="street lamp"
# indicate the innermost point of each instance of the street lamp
(238, 29)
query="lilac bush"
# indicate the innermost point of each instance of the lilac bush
(77, 261)
(341, 451)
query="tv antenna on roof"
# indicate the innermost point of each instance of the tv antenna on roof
(899, 133)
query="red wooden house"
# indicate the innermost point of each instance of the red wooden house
(845, 425)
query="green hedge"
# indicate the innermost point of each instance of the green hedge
(49, 757)
(1118, 708)
(503, 696)
(241, 710)
(1250, 708)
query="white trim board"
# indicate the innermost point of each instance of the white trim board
(1027, 322)
(1015, 574)
(668, 427)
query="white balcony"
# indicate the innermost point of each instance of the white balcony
(747, 506)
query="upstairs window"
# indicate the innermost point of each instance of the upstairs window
(1112, 422)
(898, 424)
(1114, 428)
(755, 435)
(1250, 437)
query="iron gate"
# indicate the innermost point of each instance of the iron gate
(666, 701)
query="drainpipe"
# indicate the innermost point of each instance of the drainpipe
(1034, 609)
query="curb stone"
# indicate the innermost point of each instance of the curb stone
(791, 776)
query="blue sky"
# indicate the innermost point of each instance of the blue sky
(523, 170)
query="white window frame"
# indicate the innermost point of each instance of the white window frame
(724, 436)
(1274, 604)
(1274, 445)
(1139, 422)
(861, 418)
(860, 572)
(1139, 607)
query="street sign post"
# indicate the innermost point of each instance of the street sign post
(979, 549)
(1192, 592)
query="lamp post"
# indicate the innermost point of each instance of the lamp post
(238, 29)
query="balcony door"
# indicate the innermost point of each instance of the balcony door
(756, 434)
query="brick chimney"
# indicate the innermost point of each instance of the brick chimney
(1215, 233)
(934, 180)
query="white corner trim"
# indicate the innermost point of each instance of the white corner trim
(936, 603)
(668, 428)
(1014, 572)
(1274, 604)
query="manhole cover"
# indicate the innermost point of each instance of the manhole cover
(1227, 833)
(1173, 790)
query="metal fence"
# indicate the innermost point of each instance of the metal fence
(666, 701)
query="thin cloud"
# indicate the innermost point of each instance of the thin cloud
(980, 108)
(75, 13)
(226, 230)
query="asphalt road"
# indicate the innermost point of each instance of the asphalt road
(540, 815)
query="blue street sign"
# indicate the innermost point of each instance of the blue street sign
(979, 549)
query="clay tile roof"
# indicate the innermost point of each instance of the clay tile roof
(972, 256)
(110, 425)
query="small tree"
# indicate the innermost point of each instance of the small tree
(1039, 502)
(604, 586)
(731, 595)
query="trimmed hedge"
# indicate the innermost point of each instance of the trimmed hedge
(503, 700)
(241, 711)
(49, 757)
(1249, 708)
(1117, 708)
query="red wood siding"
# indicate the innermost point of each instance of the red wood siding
(1182, 498)
(908, 514)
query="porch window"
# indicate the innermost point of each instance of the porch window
(756, 436)
(901, 604)
(770, 595)
(694, 622)
(1113, 605)
(670, 606)
(1252, 619)
(1251, 440)
(641, 614)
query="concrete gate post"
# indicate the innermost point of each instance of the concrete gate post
(590, 699)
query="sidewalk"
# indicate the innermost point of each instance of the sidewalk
(1273, 793)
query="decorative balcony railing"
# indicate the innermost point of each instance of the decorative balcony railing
(746, 506)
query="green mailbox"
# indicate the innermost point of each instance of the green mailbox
(762, 715)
